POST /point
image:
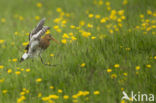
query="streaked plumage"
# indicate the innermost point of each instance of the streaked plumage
(36, 43)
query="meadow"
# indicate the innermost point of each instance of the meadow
(106, 47)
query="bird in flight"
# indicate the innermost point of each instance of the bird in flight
(36, 43)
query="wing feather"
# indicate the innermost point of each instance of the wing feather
(37, 28)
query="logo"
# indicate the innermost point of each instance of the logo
(138, 97)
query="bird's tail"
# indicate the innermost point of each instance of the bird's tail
(24, 57)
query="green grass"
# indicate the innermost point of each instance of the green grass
(129, 47)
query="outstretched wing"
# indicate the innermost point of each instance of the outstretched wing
(38, 28)
(38, 35)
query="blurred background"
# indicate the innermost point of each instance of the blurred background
(106, 47)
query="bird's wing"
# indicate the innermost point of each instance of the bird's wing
(38, 35)
(38, 28)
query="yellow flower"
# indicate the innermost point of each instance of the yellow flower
(27, 91)
(125, 2)
(39, 95)
(59, 30)
(57, 20)
(113, 76)
(1, 41)
(119, 20)
(3, 20)
(27, 70)
(1, 66)
(148, 66)
(17, 72)
(125, 74)
(51, 101)
(22, 93)
(24, 89)
(123, 17)
(39, 5)
(51, 87)
(154, 14)
(128, 49)
(1, 80)
(86, 34)
(27, 34)
(51, 54)
(9, 71)
(72, 26)
(59, 91)
(4, 91)
(53, 96)
(137, 73)
(121, 12)
(137, 67)
(109, 70)
(97, 16)
(149, 12)
(65, 35)
(93, 37)
(38, 80)
(45, 98)
(154, 57)
(16, 33)
(116, 65)
(25, 43)
(65, 96)
(61, 14)
(123, 101)
(85, 93)
(120, 25)
(64, 22)
(82, 23)
(73, 38)
(96, 92)
(90, 26)
(21, 18)
(83, 65)
(90, 15)
(37, 18)
(103, 20)
(14, 60)
(18, 68)
(141, 16)
(122, 89)
(74, 96)
(130, 99)
(64, 41)
(75, 101)
(58, 9)
(108, 8)
(107, 3)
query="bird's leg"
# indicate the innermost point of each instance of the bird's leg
(41, 60)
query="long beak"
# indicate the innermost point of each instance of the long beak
(54, 40)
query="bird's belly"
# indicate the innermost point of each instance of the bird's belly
(34, 49)
(35, 53)
(34, 44)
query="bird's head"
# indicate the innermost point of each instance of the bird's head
(49, 37)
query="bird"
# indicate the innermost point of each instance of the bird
(38, 43)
